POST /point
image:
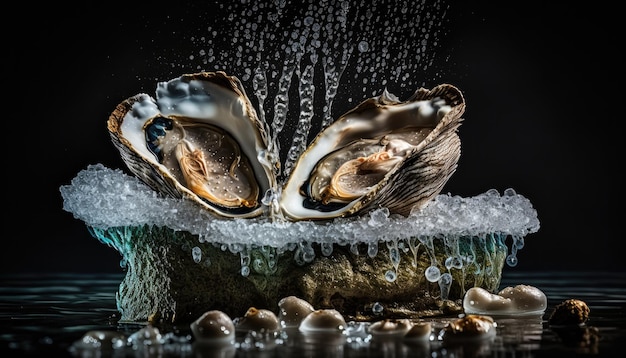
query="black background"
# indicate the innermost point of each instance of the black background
(542, 118)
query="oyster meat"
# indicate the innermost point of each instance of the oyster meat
(202, 139)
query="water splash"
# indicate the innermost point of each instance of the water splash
(307, 64)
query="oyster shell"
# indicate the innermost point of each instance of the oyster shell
(383, 153)
(202, 139)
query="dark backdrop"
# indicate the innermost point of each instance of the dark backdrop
(539, 81)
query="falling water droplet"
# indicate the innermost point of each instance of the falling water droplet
(390, 276)
(327, 248)
(354, 248)
(196, 253)
(511, 260)
(432, 274)
(363, 46)
(445, 281)
(372, 249)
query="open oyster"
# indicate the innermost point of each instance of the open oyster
(199, 139)
(383, 153)
(202, 139)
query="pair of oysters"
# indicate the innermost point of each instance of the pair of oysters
(202, 139)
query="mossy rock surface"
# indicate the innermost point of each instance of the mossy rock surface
(165, 282)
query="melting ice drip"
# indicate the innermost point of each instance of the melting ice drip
(306, 62)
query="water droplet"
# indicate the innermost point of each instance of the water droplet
(432, 274)
(394, 255)
(372, 249)
(354, 248)
(390, 276)
(196, 253)
(258, 265)
(327, 248)
(445, 281)
(357, 334)
(298, 257)
(377, 308)
(454, 262)
(511, 260)
(308, 254)
(363, 46)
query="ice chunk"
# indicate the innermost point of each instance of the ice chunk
(104, 198)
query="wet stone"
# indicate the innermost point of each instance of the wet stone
(163, 280)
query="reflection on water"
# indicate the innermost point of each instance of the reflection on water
(44, 314)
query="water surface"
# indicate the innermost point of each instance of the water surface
(44, 314)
